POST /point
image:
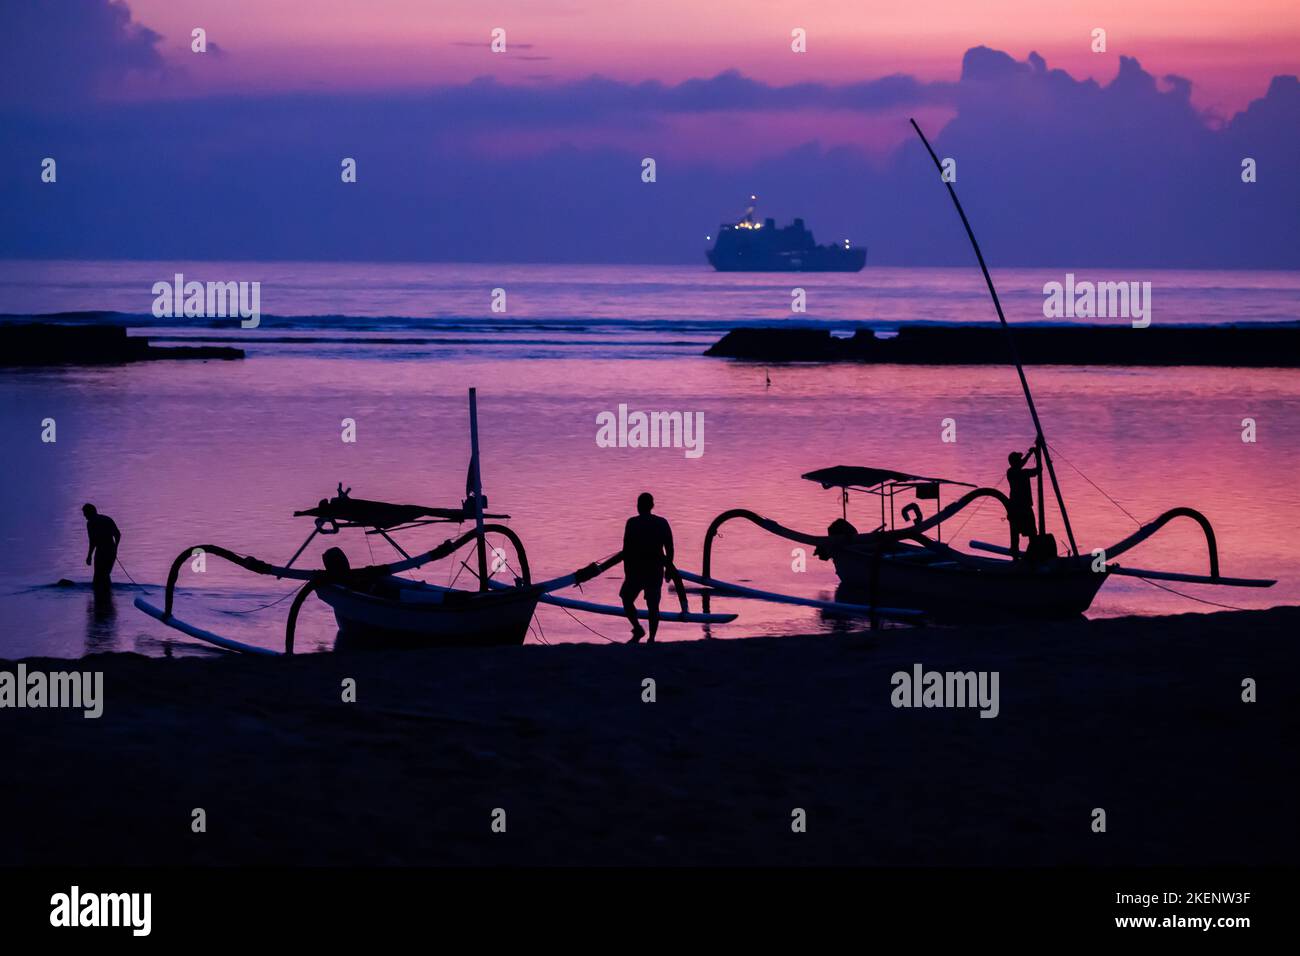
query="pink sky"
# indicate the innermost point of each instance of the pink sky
(1228, 50)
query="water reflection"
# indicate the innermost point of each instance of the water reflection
(101, 622)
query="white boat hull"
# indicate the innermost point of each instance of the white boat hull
(403, 612)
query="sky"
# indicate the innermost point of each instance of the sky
(1131, 155)
(1233, 49)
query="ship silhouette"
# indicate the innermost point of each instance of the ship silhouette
(751, 246)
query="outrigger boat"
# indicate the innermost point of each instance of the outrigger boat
(375, 605)
(904, 565)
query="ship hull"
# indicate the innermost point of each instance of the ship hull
(829, 260)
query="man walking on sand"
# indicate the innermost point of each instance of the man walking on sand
(647, 563)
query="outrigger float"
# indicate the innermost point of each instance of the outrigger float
(904, 565)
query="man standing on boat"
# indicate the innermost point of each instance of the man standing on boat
(104, 536)
(1022, 497)
(647, 563)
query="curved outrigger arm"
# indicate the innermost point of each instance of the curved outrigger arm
(247, 562)
(586, 573)
(917, 530)
(580, 576)
(900, 534)
(767, 524)
(1150, 528)
(1146, 531)
(258, 566)
(291, 625)
(314, 578)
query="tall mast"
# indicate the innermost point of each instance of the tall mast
(476, 486)
(1011, 343)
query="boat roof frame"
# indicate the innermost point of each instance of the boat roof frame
(876, 481)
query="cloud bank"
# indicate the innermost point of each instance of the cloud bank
(1053, 170)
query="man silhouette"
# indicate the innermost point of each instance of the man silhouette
(1022, 497)
(647, 558)
(104, 536)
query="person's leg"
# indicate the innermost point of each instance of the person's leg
(652, 608)
(103, 579)
(1022, 527)
(628, 593)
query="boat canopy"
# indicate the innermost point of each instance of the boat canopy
(360, 512)
(869, 479)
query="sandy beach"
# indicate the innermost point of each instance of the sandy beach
(1141, 717)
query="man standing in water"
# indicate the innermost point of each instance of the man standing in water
(647, 560)
(1022, 497)
(104, 536)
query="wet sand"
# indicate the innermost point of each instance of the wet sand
(1141, 717)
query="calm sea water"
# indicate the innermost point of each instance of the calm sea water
(186, 453)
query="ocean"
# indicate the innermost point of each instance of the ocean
(189, 453)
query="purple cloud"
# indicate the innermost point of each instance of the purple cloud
(1054, 170)
(56, 51)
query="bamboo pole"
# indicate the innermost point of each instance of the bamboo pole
(1015, 355)
(478, 490)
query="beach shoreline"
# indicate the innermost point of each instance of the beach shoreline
(1142, 717)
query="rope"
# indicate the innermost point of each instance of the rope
(505, 562)
(1154, 584)
(1191, 597)
(957, 534)
(458, 566)
(251, 610)
(128, 575)
(262, 607)
(587, 626)
(1056, 452)
(540, 635)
